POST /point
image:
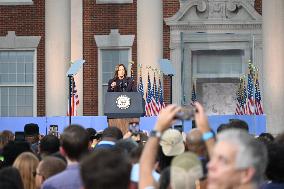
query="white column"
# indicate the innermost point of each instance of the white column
(149, 33)
(176, 86)
(77, 46)
(57, 56)
(273, 41)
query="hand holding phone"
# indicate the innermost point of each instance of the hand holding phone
(134, 128)
(186, 113)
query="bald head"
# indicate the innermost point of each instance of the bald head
(195, 143)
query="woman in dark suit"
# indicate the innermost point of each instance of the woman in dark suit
(120, 82)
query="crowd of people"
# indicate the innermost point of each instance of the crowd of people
(165, 158)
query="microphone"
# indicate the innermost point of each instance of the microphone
(120, 85)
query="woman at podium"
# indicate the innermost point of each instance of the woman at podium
(120, 82)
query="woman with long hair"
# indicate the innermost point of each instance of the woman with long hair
(120, 82)
(27, 163)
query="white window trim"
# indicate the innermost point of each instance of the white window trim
(113, 1)
(13, 42)
(16, 2)
(112, 41)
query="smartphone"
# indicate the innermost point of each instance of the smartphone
(19, 136)
(53, 130)
(186, 113)
(134, 128)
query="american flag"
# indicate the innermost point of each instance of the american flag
(243, 96)
(257, 96)
(140, 86)
(161, 96)
(193, 94)
(155, 97)
(148, 106)
(74, 100)
(239, 101)
(250, 97)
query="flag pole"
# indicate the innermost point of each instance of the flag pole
(70, 96)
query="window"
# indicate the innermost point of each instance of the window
(217, 63)
(110, 58)
(16, 2)
(16, 82)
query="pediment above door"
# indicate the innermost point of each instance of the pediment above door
(208, 12)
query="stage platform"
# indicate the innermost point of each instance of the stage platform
(257, 124)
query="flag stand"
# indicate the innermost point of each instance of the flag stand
(73, 70)
(168, 69)
(70, 96)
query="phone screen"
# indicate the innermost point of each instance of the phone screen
(134, 128)
(53, 130)
(19, 136)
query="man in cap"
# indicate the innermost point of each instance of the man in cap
(31, 131)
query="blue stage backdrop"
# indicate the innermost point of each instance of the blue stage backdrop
(257, 124)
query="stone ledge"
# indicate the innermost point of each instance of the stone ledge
(113, 1)
(16, 2)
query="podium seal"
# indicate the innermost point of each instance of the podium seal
(123, 102)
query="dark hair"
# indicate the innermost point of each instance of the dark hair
(275, 167)
(126, 145)
(10, 178)
(112, 132)
(266, 138)
(116, 71)
(238, 124)
(59, 156)
(49, 144)
(31, 129)
(136, 153)
(6, 136)
(91, 133)
(13, 149)
(222, 127)
(165, 178)
(106, 169)
(164, 161)
(74, 140)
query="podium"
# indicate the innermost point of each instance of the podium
(121, 108)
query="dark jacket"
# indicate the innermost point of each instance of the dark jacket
(122, 85)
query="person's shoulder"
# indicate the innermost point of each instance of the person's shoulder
(54, 181)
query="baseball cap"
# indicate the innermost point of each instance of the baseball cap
(172, 142)
(31, 129)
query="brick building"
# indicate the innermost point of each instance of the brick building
(38, 39)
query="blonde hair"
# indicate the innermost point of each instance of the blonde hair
(27, 163)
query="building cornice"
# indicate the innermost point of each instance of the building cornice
(11, 41)
(114, 39)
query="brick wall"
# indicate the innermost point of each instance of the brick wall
(170, 7)
(28, 20)
(99, 19)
